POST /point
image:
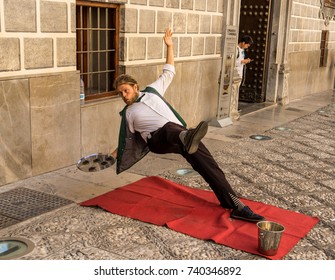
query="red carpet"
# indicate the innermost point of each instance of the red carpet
(197, 213)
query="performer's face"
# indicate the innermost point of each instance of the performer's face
(129, 93)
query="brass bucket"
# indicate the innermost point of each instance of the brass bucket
(269, 236)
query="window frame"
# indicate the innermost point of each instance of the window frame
(83, 38)
(329, 4)
(324, 48)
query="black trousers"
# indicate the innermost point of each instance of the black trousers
(166, 140)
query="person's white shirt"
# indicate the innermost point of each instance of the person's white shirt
(152, 112)
(239, 57)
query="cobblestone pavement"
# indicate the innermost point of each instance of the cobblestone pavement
(293, 170)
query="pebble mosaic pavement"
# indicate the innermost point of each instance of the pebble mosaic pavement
(294, 170)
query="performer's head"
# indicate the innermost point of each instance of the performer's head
(127, 87)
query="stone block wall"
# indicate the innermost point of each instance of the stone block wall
(306, 27)
(42, 131)
(306, 76)
(40, 37)
(54, 121)
(39, 88)
(15, 136)
(197, 27)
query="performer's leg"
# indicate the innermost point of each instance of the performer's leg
(203, 162)
(166, 140)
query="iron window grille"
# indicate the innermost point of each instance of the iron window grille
(97, 27)
(324, 48)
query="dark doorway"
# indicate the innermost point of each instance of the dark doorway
(255, 21)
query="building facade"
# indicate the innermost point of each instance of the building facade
(46, 46)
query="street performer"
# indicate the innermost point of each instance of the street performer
(149, 123)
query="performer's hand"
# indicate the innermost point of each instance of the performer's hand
(114, 153)
(168, 37)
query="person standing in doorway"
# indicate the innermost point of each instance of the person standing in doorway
(240, 62)
(244, 43)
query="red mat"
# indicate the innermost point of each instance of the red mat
(197, 213)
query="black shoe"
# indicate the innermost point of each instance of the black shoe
(194, 136)
(246, 214)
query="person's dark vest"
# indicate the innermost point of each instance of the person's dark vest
(132, 147)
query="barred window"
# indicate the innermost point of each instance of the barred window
(97, 47)
(330, 4)
(324, 48)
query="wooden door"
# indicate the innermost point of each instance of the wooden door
(255, 21)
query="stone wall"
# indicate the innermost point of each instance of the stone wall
(41, 114)
(306, 27)
(197, 27)
(39, 88)
(15, 135)
(306, 76)
(40, 37)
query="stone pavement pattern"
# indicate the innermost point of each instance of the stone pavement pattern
(294, 170)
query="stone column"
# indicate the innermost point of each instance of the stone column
(232, 18)
(284, 69)
(283, 96)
